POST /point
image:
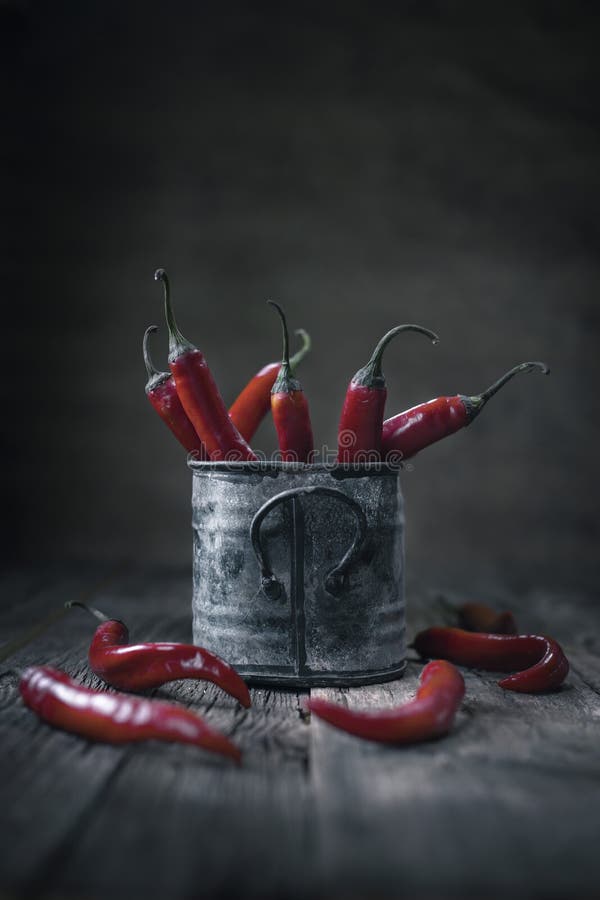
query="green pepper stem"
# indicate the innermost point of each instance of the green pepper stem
(150, 367)
(376, 358)
(304, 349)
(285, 381)
(475, 404)
(371, 375)
(177, 343)
(523, 367)
(90, 609)
(285, 359)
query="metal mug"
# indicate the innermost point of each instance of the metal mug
(298, 571)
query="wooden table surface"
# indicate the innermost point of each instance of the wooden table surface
(507, 805)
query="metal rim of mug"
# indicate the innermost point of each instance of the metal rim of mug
(337, 470)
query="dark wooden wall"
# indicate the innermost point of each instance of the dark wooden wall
(363, 165)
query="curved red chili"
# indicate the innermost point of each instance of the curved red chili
(137, 667)
(542, 661)
(407, 433)
(162, 394)
(290, 407)
(115, 718)
(429, 715)
(361, 422)
(199, 393)
(254, 402)
(479, 617)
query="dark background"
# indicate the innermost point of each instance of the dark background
(365, 165)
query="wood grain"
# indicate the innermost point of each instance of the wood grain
(507, 804)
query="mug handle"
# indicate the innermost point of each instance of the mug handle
(335, 578)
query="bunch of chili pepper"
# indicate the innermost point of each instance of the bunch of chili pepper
(361, 422)
(119, 718)
(187, 399)
(189, 402)
(489, 639)
(540, 663)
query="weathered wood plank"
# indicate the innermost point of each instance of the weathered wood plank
(570, 616)
(168, 801)
(54, 777)
(192, 826)
(18, 583)
(508, 802)
(22, 598)
(26, 614)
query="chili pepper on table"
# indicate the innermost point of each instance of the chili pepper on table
(199, 393)
(290, 407)
(137, 667)
(479, 617)
(115, 718)
(254, 402)
(162, 394)
(429, 715)
(361, 421)
(411, 431)
(539, 662)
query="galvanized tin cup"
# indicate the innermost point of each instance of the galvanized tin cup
(298, 571)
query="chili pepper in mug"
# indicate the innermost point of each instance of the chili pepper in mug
(162, 394)
(290, 407)
(137, 667)
(199, 393)
(254, 402)
(538, 662)
(429, 715)
(115, 718)
(361, 422)
(482, 618)
(411, 431)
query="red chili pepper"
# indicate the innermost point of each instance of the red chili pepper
(199, 394)
(290, 407)
(137, 667)
(479, 617)
(542, 659)
(162, 394)
(254, 402)
(413, 430)
(360, 428)
(115, 718)
(429, 715)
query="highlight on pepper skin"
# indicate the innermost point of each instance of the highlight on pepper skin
(198, 391)
(137, 667)
(538, 662)
(364, 402)
(411, 431)
(190, 403)
(163, 397)
(429, 715)
(289, 406)
(254, 402)
(115, 718)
